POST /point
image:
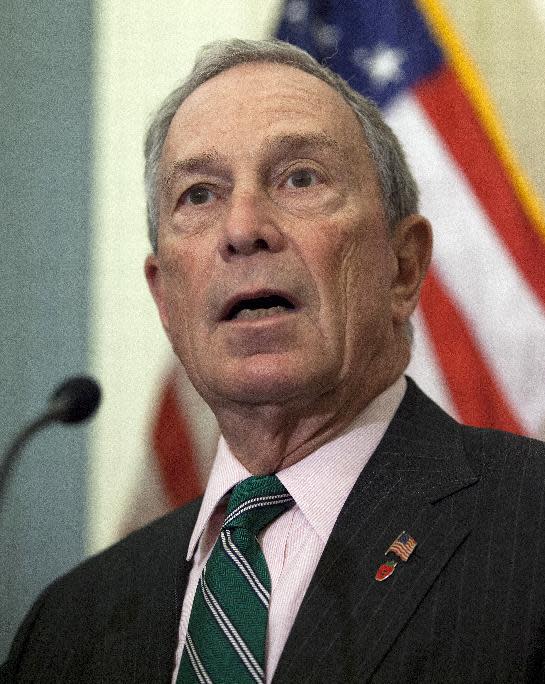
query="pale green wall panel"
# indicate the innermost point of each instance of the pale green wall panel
(45, 119)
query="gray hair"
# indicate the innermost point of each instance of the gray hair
(398, 187)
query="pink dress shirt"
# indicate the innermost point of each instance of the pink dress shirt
(293, 543)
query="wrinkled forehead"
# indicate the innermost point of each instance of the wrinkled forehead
(264, 100)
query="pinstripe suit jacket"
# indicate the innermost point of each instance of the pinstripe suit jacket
(468, 606)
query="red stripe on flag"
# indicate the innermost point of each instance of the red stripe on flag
(173, 448)
(472, 385)
(454, 118)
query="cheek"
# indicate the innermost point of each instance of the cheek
(329, 257)
(366, 287)
(184, 265)
(182, 285)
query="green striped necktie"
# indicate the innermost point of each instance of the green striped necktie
(225, 642)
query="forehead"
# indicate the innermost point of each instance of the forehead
(250, 103)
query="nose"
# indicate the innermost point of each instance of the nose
(249, 227)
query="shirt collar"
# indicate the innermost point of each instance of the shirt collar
(309, 481)
(340, 461)
(226, 472)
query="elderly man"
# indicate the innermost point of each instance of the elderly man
(350, 530)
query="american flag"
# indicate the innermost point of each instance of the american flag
(480, 326)
(403, 546)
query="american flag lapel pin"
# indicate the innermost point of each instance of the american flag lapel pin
(403, 546)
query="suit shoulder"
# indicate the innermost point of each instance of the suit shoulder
(495, 448)
(105, 595)
(135, 559)
(482, 445)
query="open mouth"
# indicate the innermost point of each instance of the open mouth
(259, 307)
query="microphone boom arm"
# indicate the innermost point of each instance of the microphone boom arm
(73, 401)
(10, 456)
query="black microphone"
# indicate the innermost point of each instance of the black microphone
(75, 400)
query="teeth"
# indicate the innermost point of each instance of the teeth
(260, 313)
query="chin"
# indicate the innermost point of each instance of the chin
(263, 393)
(270, 383)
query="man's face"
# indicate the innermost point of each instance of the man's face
(275, 271)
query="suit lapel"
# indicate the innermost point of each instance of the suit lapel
(417, 481)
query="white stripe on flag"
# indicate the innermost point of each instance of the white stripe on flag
(497, 308)
(424, 368)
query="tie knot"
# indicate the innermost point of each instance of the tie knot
(256, 502)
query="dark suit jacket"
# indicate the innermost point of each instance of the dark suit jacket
(468, 605)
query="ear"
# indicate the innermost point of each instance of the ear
(412, 244)
(155, 278)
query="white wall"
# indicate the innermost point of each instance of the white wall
(143, 49)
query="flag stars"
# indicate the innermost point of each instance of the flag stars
(382, 64)
(327, 36)
(296, 11)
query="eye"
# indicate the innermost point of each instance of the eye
(303, 178)
(198, 194)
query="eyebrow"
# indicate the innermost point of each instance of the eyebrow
(208, 162)
(299, 142)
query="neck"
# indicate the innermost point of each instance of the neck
(267, 438)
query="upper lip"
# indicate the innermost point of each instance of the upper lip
(231, 304)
